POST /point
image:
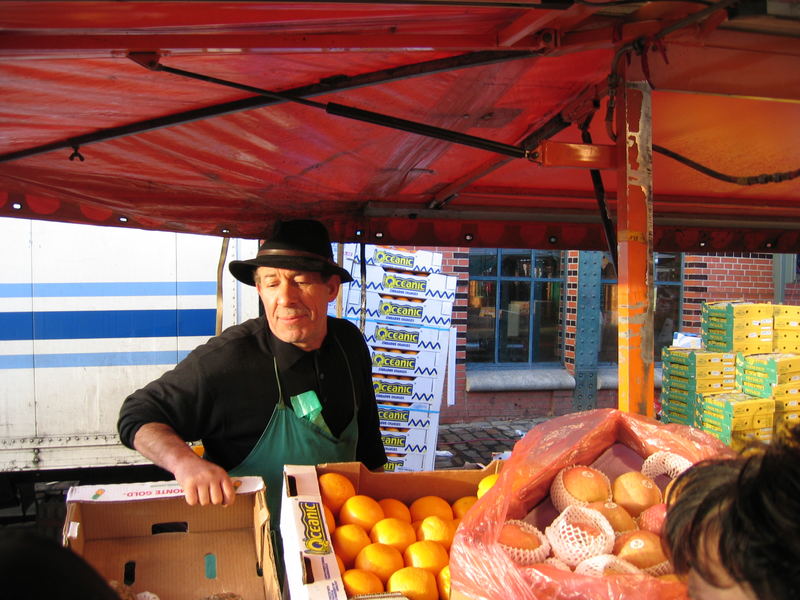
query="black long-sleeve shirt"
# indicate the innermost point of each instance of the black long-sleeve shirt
(224, 392)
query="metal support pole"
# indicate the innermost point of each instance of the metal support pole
(635, 247)
(587, 330)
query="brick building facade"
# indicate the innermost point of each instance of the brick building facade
(715, 276)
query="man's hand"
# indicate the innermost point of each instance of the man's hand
(202, 481)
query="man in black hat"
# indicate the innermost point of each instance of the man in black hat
(293, 386)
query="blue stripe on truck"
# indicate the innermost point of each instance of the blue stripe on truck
(105, 289)
(65, 325)
(92, 359)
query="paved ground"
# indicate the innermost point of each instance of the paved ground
(478, 442)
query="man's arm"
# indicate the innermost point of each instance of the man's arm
(202, 481)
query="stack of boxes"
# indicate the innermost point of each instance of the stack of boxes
(407, 313)
(763, 342)
(775, 376)
(737, 327)
(786, 329)
(736, 417)
(687, 374)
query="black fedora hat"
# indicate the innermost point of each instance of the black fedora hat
(300, 245)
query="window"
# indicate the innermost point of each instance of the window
(514, 306)
(668, 269)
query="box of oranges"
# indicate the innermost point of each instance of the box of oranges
(349, 532)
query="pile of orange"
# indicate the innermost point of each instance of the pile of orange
(387, 546)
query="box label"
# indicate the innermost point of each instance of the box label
(315, 536)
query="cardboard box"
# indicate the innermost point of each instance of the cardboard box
(409, 363)
(404, 337)
(696, 358)
(145, 536)
(311, 570)
(409, 461)
(407, 414)
(428, 286)
(736, 310)
(420, 261)
(390, 388)
(410, 439)
(436, 314)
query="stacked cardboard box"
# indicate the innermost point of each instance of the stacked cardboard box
(737, 327)
(775, 376)
(786, 325)
(145, 536)
(736, 417)
(688, 373)
(405, 303)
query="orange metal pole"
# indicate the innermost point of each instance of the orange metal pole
(635, 247)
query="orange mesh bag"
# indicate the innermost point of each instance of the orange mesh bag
(611, 441)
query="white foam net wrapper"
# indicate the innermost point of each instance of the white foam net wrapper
(561, 498)
(522, 556)
(605, 564)
(665, 463)
(662, 568)
(579, 533)
(558, 564)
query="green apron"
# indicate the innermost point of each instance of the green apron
(289, 439)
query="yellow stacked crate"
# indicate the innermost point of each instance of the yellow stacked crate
(786, 325)
(737, 327)
(736, 418)
(686, 374)
(776, 376)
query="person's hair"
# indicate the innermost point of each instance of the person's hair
(741, 515)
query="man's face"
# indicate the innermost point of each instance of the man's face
(296, 304)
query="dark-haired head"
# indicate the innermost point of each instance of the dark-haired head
(736, 523)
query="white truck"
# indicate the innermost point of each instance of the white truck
(88, 314)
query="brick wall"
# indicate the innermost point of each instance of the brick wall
(719, 276)
(723, 276)
(569, 323)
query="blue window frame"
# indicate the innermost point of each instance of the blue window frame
(514, 306)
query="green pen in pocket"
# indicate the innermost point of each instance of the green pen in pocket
(307, 406)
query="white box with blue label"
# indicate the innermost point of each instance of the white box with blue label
(420, 261)
(409, 363)
(405, 390)
(435, 314)
(410, 439)
(407, 414)
(404, 337)
(435, 286)
(409, 461)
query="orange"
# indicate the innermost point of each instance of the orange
(395, 508)
(380, 559)
(414, 583)
(394, 532)
(462, 505)
(361, 510)
(339, 563)
(430, 505)
(437, 529)
(335, 489)
(426, 554)
(443, 581)
(357, 582)
(348, 540)
(329, 520)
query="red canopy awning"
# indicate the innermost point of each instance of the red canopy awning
(101, 123)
